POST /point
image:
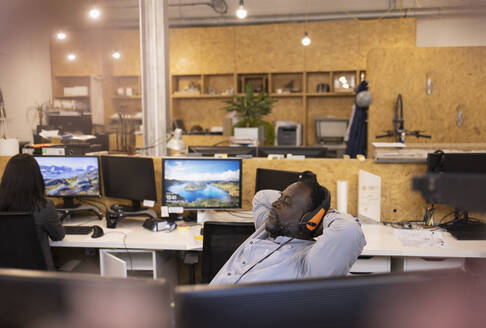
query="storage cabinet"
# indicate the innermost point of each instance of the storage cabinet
(122, 263)
(198, 99)
(432, 263)
(371, 264)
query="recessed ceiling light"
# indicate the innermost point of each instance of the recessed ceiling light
(71, 56)
(61, 35)
(116, 55)
(94, 13)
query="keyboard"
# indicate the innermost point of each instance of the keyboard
(78, 230)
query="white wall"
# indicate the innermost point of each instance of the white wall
(25, 69)
(451, 31)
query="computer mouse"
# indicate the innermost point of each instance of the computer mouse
(97, 232)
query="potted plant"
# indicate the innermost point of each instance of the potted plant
(250, 109)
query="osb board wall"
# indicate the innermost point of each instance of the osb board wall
(207, 113)
(87, 45)
(398, 201)
(127, 42)
(458, 76)
(336, 45)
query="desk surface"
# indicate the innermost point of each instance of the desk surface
(380, 239)
(130, 234)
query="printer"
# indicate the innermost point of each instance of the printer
(330, 132)
(288, 133)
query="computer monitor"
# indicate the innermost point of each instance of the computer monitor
(58, 299)
(274, 179)
(70, 176)
(196, 183)
(354, 301)
(311, 152)
(130, 178)
(450, 166)
(230, 151)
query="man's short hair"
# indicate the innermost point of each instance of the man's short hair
(318, 192)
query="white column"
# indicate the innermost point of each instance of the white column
(154, 36)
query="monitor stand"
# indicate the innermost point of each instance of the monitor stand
(68, 211)
(465, 228)
(134, 207)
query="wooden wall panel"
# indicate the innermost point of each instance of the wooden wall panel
(269, 48)
(185, 52)
(217, 50)
(206, 113)
(87, 45)
(286, 109)
(385, 33)
(127, 42)
(457, 76)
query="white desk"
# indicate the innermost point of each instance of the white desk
(131, 247)
(383, 252)
(130, 233)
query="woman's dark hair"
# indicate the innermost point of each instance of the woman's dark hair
(22, 187)
(318, 192)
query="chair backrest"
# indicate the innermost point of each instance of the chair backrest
(20, 247)
(220, 241)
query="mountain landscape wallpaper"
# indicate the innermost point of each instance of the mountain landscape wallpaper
(198, 183)
(70, 176)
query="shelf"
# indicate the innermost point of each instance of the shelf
(283, 95)
(70, 97)
(126, 97)
(331, 94)
(202, 96)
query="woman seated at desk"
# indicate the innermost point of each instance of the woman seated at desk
(22, 189)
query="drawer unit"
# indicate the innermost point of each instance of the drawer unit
(371, 264)
(431, 263)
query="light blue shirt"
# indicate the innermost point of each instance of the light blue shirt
(331, 254)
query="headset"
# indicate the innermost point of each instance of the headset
(313, 219)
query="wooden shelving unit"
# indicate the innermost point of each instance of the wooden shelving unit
(198, 98)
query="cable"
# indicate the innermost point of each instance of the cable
(124, 245)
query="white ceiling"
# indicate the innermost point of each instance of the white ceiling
(124, 13)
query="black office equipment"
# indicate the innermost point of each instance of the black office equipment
(230, 151)
(220, 241)
(308, 152)
(54, 299)
(130, 178)
(71, 123)
(274, 179)
(20, 246)
(84, 230)
(68, 177)
(457, 179)
(353, 301)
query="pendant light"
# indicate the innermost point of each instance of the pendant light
(241, 12)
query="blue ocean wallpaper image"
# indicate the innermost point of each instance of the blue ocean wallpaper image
(70, 176)
(202, 183)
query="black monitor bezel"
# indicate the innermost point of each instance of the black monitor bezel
(282, 150)
(101, 186)
(129, 158)
(204, 159)
(208, 150)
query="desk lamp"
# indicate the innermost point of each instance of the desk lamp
(176, 143)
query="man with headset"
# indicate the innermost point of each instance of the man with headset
(283, 245)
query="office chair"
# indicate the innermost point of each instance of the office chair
(20, 247)
(220, 240)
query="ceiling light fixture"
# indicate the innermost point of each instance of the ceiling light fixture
(94, 13)
(306, 40)
(61, 35)
(241, 12)
(71, 56)
(116, 55)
